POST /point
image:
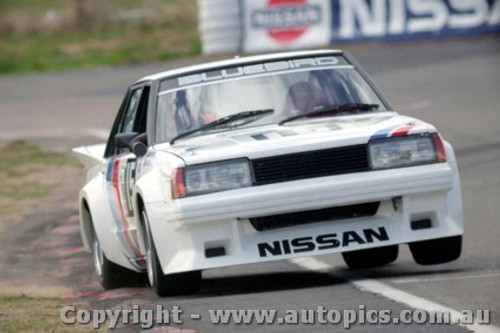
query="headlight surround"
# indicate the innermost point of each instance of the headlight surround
(406, 151)
(211, 177)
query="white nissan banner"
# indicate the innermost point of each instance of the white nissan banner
(285, 24)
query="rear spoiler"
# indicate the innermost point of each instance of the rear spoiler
(90, 156)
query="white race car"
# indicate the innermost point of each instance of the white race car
(264, 158)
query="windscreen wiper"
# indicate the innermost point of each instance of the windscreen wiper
(247, 116)
(332, 109)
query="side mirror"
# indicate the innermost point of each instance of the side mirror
(122, 140)
(138, 147)
(136, 143)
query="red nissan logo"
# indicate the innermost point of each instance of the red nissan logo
(286, 35)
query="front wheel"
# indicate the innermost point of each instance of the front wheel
(166, 285)
(370, 258)
(436, 251)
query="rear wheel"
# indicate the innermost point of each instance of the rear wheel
(111, 275)
(371, 257)
(436, 251)
(171, 284)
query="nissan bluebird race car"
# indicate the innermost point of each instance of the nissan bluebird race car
(264, 158)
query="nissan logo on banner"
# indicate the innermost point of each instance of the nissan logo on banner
(281, 24)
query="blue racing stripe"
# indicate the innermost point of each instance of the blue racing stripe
(384, 133)
(113, 204)
(109, 171)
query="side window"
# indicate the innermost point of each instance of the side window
(142, 113)
(132, 116)
(128, 121)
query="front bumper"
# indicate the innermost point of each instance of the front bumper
(185, 229)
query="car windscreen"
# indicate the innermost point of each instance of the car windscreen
(186, 103)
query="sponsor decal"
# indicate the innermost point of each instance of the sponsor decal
(288, 133)
(278, 24)
(322, 242)
(130, 171)
(252, 70)
(392, 19)
(274, 24)
(259, 137)
(286, 20)
(118, 203)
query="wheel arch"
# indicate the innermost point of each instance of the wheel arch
(85, 224)
(454, 196)
(96, 216)
(139, 207)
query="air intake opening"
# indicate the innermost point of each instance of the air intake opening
(215, 252)
(421, 224)
(264, 223)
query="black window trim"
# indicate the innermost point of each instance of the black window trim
(110, 146)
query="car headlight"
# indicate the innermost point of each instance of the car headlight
(406, 151)
(211, 177)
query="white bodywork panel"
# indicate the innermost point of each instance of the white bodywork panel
(185, 230)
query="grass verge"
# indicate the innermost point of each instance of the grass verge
(85, 50)
(31, 178)
(28, 314)
(56, 35)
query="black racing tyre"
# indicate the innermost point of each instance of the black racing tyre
(371, 258)
(436, 251)
(184, 283)
(109, 274)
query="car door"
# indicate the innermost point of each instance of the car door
(121, 171)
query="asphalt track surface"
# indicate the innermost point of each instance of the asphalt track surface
(452, 84)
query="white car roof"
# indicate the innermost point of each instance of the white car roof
(238, 61)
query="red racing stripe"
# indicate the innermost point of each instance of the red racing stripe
(126, 227)
(402, 131)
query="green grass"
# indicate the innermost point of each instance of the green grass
(18, 161)
(17, 156)
(26, 190)
(37, 5)
(166, 30)
(84, 50)
(30, 314)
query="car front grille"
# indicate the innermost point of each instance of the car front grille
(312, 216)
(311, 164)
